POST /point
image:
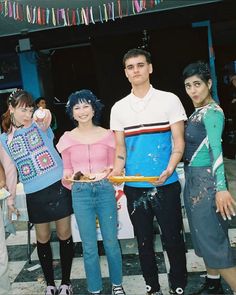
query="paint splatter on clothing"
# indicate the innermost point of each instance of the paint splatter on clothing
(204, 175)
(148, 137)
(203, 142)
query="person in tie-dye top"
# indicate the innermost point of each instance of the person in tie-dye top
(27, 142)
(208, 202)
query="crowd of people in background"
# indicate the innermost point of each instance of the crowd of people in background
(149, 134)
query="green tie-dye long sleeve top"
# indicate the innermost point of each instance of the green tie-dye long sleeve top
(203, 148)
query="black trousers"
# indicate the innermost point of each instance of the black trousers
(164, 203)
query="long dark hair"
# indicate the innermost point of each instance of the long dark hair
(18, 97)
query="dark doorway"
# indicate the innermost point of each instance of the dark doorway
(72, 69)
(98, 66)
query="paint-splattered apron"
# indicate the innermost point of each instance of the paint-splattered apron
(208, 229)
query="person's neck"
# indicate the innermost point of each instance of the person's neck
(86, 127)
(205, 103)
(141, 90)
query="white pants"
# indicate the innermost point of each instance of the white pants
(4, 278)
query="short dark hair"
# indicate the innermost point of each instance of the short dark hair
(37, 101)
(136, 52)
(86, 96)
(199, 68)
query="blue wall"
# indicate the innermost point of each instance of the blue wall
(29, 73)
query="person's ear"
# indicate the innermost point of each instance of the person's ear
(150, 69)
(209, 84)
(11, 108)
(126, 73)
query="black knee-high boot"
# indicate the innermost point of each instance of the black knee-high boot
(45, 257)
(66, 255)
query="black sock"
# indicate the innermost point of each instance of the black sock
(45, 257)
(66, 255)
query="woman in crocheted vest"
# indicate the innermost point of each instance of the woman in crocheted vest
(27, 142)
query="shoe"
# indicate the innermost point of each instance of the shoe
(118, 290)
(150, 292)
(65, 290)
(211, 286)
(178, 290)
(51, 290)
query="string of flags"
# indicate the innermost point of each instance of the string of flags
(100, 11)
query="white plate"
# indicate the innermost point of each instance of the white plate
(92, 177)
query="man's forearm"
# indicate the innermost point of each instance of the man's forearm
(175, 157)
(120, 158)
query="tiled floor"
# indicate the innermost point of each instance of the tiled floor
(27, 281)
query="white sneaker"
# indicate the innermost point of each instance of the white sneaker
(51, 290)
(178, 290)
(118, 290)
(65, 290)
(150, 292)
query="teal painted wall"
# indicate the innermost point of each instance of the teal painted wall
(29, 73)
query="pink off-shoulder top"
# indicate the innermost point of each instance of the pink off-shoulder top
(87, 158)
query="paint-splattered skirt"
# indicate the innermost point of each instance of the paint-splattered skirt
(208, 229)
(49, 204)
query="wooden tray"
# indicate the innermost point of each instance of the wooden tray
(121, 179)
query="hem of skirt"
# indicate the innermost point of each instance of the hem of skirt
(51, 219)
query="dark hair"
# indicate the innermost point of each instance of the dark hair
(85, 96)
(37, 101)
(200, 69)
(18, 97)
(136, 52)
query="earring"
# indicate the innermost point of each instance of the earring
(13, 121)
(12, 117)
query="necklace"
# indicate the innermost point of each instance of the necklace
(13, 121)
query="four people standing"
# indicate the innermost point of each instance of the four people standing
(149, 140)
(149, 128)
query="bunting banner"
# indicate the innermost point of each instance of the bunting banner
(86, 12)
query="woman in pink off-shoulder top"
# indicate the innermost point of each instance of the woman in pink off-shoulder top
(90, 149)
